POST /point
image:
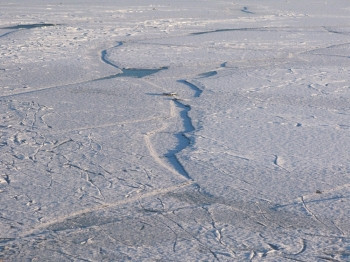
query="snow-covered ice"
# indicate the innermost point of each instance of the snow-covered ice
(166, 130)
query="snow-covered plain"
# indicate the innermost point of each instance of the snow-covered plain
(174, 130)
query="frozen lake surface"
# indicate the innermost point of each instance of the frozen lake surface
(175, 130)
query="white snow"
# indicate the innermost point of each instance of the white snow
(174, 130)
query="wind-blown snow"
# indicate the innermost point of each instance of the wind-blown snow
(174, 130)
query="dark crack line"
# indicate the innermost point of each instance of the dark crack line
(260, 29)
(132, 72)
(8, 33)
(234, 29)
(245, 10)
(104, 55)
(208, 74)
(126, 72)
(334, 31)
(183, 140)
(28, 26)
(17, 28)
(187, 121)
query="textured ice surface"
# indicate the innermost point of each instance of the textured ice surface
(174, 130)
